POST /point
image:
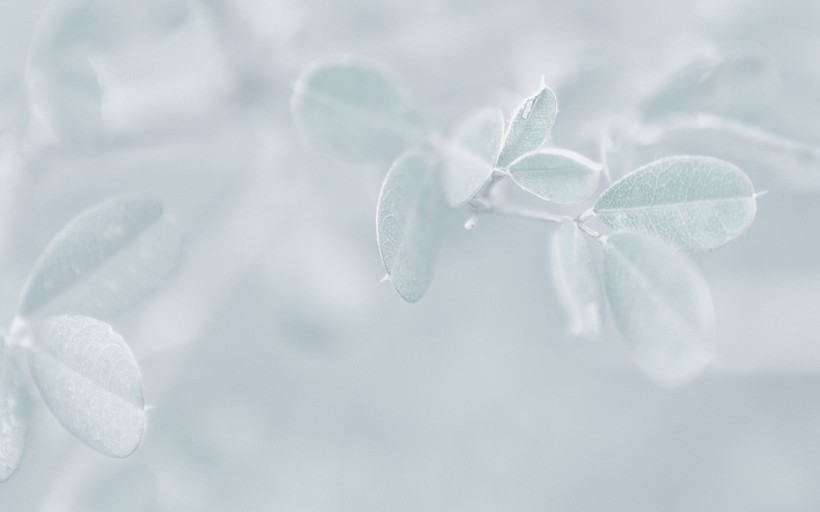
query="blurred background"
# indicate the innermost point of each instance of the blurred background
(282, 376)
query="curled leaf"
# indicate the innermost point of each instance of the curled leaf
(697, 203)
(407, 221)
(469, 157)
(90, 381)
(661, 305)
(103, 261)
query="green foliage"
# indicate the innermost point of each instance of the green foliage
(556, 175)
(697, 203)
(103, 261)
(470, 155)
(659, 301)
(408, 222)
(661, 305)
(89, 379)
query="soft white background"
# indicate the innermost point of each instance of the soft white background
(283, 376)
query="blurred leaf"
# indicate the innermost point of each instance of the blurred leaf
(407, 219)
(13, 419)
(66, 100)
(698, 203)
(737, 84)
(661, 305)
(576, 280)
(556, 175)
(530, 125)
(131, 489)
(103, 261)
(351, 108)
(90, 381)
(471, 154)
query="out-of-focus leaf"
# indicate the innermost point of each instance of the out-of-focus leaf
(737, 84)
(103, 261)
(90, 381)
(407, 220)
(13, 419)
(698, 203)
(576, 280)
(661, 305)
(556, 175)
(530, 125)
(471, 154)
(65, 100)
(351, 108)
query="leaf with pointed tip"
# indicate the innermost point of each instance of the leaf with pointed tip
(90, 381)
(13, 420)
(350, 107)
(697, 203)
(469, 157)
(576, 280)
(556, 175)
(407, 220)
(661, 305)
(530, 126)
(103, 261)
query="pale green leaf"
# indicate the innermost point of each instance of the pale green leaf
(90, 381)
(103, 261)
(13, 420)
(469, 157)
(697, 203)
(556, 175)
(661, 305)
(576, 280)
(350, 107)
(530, 125)
(407, 220)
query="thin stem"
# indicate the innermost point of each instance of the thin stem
(524, 213)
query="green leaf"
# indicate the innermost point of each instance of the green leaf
(576, 280)
(349, 107)
(556, 175)
(697, 203)
(530, 125)
(13, 420)
(407, 220)
(103, 261)
(661, 305)
(90, 381)
(471, 154)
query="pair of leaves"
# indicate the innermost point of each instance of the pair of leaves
(102, 262)
(659, 300)
(480, 144)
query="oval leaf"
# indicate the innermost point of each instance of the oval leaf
(661, 305)
(407, 220)
(697, 203)
(90, 381)
(471, 154)
(349, 107)
(103, 261)
(556, 175)
(13, 421)
(576, 280)
(530, 125)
